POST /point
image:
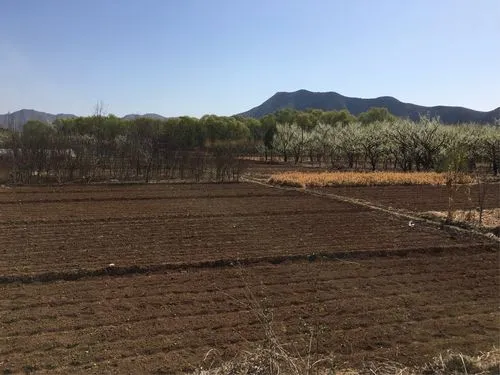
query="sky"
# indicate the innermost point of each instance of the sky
(196, 57)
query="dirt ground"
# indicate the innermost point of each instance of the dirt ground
(421, 198)
(377, 288)
(234, 221)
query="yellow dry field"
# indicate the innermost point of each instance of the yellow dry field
(322, 179)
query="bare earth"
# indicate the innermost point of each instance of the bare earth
(183, 255)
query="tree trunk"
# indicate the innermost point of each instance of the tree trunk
(494, 159)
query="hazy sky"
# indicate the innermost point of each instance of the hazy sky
(191, 57)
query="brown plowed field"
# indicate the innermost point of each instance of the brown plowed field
(113, 192)
(405, 309)
(420, 198)
(260, 222)
(379, 289)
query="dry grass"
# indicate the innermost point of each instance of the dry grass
(457, 363)
(490, 219)
(449, 363)
(322, 179)
(263, 361)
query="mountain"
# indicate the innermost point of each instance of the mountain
(16, 120)
(300, 100)
(328, 101)
(153, 116)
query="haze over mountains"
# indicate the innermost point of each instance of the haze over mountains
(302, 100)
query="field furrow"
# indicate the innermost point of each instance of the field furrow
(194, 264)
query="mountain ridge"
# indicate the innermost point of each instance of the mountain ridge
(16, 120)
(300, 100)
(304, 99)
(154, 116)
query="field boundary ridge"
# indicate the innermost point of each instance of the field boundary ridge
(116, 270)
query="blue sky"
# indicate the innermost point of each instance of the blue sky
(192, 57)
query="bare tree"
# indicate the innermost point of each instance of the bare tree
(284, 137)
(99, 109)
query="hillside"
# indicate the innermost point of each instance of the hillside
(16, 120)
(300, 100)
(303, 99)
(153, 116)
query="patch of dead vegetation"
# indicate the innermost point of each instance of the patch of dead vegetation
(263, 362)
(490, 220)
(323, 179)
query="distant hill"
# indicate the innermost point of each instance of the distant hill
(153, 116)
(16, 120)
(300, 100)
(328, 101)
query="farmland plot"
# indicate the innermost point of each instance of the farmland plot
(422, 197)
(186, 255)
(48, 236)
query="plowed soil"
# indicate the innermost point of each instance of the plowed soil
(421, 198)
(184, 257)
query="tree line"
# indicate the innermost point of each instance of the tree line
(210, 148)
(107, 147)
(392, 143)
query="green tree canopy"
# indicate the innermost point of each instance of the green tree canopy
(376, 114)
